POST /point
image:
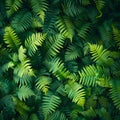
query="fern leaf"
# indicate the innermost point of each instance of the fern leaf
(54, 45)
(115, 94)
(13, 6)
(61, 90)
(24, 93)
(89, 75)
(72, 53)
(57, 115)
(56, 66)
(99, 55)
(90, 113)
(84, 30)
(8, 65)
(23, 72)
(116, 34)
(49, 22)
(75, 92)
(65, 27)
(23, 20)
(43, 83)
(99, 5)
(31, 43)
(50, 103)
(70, 8)
(11, 38)
(21, 53)
(21, 107)
(39, 6)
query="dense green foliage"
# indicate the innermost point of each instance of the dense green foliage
(59, 60)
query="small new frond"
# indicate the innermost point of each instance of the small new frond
(43, 83)
(65, 27)
(12, 6)
(75, 92)
(99, 55)
(99, 5)
(24, 93)
(116, 34)
(50, 103)
(8, 65)
(23, 20)
(33, 41)
(11, 39)
(84, 30)
(39, 6)
(54, 45)
(72, 53)
(115, 94)
(89, 75)
(21, 53)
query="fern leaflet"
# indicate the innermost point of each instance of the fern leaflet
(11, 38)
(75, 92)
(31, 43)
(50, 103)
(24, 92)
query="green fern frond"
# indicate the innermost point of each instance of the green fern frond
(61, 90)
(8, 65)
(49, 22)
(33, 41)
(57, 115)
(23, 19)
(74, 114)
(56, 66)
(89, 75)
(43, 83)
(21, 107)
(13, 6)
(116, 34)
(72, 66)
(11, 39)
(50, 103)
(84, 30)
(99, 5)
(75, 92)
(24, 93)
(39, 6)
(73, 7)
(23, 72)
(72, 53)
(99, 55)
(36, 22)
(65, 27)
(54, 45)
(115, 94)
(90, 113)
(21, 53)
(70, 8)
